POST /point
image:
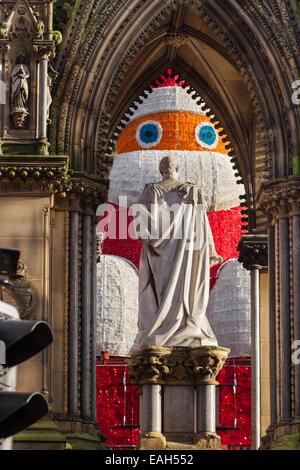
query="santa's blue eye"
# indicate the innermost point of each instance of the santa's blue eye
(206, 135)
(149, 134)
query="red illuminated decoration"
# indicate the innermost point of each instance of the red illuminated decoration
(117, 407)
(225, 226)
(226, 229)
(117, 244)
(234, 424)
(168, 80)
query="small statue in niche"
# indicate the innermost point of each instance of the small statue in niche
(19, 87)
(19, 92)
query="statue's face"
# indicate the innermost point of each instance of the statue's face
(169, 166)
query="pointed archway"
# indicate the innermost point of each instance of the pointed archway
(242, 58)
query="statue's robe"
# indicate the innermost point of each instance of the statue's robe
(19, 88)
(174, 267)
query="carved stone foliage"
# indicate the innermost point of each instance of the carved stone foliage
(176, 38)
(177, 365)
(26, 296)
(44, 49)
(253, 250)
(26, 173)
(280, 197)
(50, 174)
(62, 13)
(91, 189)
(22, 293)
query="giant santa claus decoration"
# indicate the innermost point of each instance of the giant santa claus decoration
(169, 122)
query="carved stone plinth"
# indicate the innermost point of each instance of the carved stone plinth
(177, 365)
(152, 441)
(19, 117)
(207, 441)
(177, 395)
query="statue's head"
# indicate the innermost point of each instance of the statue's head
(169, 166)
(21, 59)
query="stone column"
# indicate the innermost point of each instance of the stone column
(93, 324)
(44, 52)
(175, 372)
(43, 98)
(85, 390)
(73, 314)
(279, 200)
(151, 417)
(253, 255)
(150, 401)
(255, 359)
(206, 408)
(81, 430)
(296, 280)
(285, 334)
(272, 326)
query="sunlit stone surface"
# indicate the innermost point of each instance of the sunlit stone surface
(117, 306)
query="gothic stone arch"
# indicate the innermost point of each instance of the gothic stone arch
(241, 58)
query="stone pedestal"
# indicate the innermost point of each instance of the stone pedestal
(43, 435)
(177, 396)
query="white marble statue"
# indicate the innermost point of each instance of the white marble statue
(19, 87)
(178, 250)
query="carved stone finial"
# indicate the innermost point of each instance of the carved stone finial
(280, 196)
